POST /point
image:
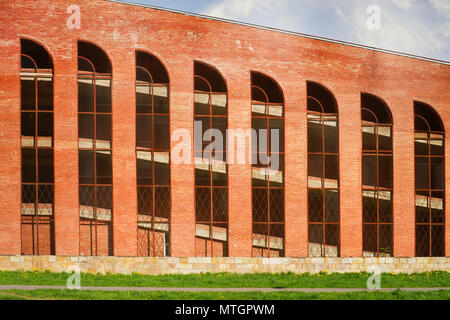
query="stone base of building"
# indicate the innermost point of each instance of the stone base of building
(156, 266)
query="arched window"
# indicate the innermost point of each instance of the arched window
(430, 182)
(377, 176)
(95, 151)
(268, 167)
(211, 172)
(323, 173)
(152, 156)
(36, 76)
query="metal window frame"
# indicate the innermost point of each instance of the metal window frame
(323, 189)
(211, 187)
(95, 222)
(377, 153)
(151, 243)
(36, 220)
(429, 190)
(267, 248)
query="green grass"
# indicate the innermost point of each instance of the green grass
(228, 280)
(159, 295)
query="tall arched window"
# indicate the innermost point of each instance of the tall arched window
(268, 167)
(430, 181)
(36, 76)
(95, 151)
(377, 176)
(323, 173)
(152, 156)
(211, 172)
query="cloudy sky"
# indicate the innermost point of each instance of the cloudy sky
(419, 27)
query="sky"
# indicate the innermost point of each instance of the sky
(418, 27)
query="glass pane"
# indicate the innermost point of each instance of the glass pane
(315, 239)
(370, 239)
(370, 206)
(314, 134)
(162, 135)
(86, 166)
(385, 138)
(385, 202)
(28, 127)
(315, 170)
(437, 207)
(331, 136)
(162, 171)
(143, 99)
(28, 94)
(202, 104)
(103, 95)
(104, 167)
(331, 206)
(86, 130)
(422, 241)
(437, 241)
(85, 95)
(369, 138)
(331, 240)
(385, 171)
(45, 94)
(219, 104)
(45, 124)
(144, 168)
(331, 171)
(45, 196)
(103, 131)
(161, 99)
(437, 173)
(104, 203)
(386, 240)
(315, 205)
(422, 176)
(219, 174)
(276, 144)
(162, 203)
(203, 204)
(28, 165)
(145, 200)
(437, 147)
(220, 205)
(45, 165)
(369, 173)
(276, 205)
(144, 132)
(422, 207)
(421, 145)
(221, 125)
(260, 205)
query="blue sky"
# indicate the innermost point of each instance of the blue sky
(419, 27)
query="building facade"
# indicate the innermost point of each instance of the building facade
(97, 100)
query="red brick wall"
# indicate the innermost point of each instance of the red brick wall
(234, 50)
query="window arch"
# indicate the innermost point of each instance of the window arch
(211, 170)
(268, 167)
(37, 209)
(152, 156)
(95, 150)
(323, 173)
(429, 144)
(377, 176)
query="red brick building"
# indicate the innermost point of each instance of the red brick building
(90, 107)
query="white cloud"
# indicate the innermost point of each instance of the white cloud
(410, 26)
(442, 7)
(403, 4)
(230, 9)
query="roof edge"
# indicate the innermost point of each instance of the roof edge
(355, 45)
